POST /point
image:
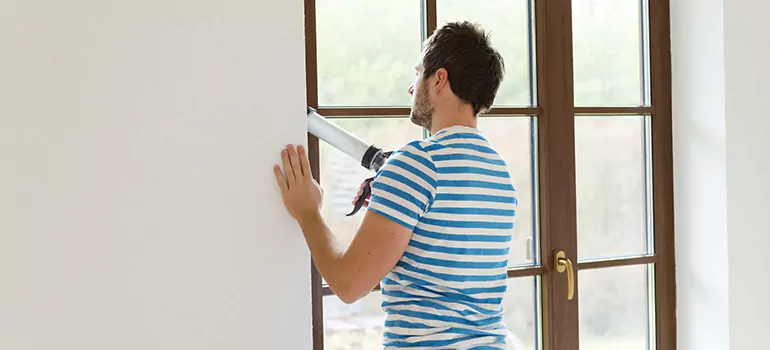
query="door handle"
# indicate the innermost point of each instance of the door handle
(563, 264)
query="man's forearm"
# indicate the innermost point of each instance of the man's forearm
(326, 252)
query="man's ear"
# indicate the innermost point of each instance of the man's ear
(442, 79)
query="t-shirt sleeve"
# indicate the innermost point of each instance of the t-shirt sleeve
(405, 186)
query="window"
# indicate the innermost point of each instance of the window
(583, 119)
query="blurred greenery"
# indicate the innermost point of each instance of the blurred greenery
(366, 60)
(366, 57)
(607, 52)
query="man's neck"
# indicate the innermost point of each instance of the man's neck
(455, 117)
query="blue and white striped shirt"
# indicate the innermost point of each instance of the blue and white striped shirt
(455, 193)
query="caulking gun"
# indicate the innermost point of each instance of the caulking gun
(370, 156)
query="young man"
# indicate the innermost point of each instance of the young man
(437, 231)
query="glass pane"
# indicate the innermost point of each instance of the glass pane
(522, 312)
(614, 308)
(611, 186)
(513, 138)
(356, 326)
(360, 325)
(607, 52)
(363, 58)
(508, 23)
(341, 175)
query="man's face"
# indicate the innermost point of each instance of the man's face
(422, 109)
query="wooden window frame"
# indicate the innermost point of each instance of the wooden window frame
(556, 113)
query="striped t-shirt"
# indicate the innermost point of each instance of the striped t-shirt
(455, 193)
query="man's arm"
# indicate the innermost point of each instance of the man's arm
(401, 193)
(375, 250)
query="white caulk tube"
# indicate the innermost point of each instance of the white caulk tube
(370, 156)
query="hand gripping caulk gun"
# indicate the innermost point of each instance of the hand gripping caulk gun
(370, 156)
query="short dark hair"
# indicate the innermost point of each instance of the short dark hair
(474, 67)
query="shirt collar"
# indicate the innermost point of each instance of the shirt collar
(453, 129)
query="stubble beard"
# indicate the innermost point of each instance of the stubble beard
(422, 111)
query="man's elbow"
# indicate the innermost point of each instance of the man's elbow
(348, 298)
(350, 293)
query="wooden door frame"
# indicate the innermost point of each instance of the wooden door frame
(558, 215)
(663, 172)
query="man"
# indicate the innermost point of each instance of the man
(437, 231)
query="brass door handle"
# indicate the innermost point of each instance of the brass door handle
(563, 264)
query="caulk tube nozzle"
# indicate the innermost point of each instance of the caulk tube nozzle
(339, 138)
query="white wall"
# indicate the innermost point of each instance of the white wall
(137, 204)
(747, 91)
(721, 91)
(700, 188)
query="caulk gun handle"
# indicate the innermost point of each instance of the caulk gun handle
(365, 193)
(367, 190)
